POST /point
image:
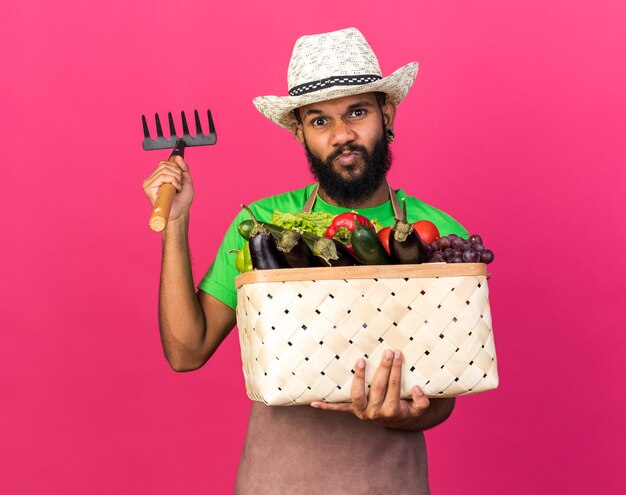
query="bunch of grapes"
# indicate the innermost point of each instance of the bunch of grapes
(454, 249)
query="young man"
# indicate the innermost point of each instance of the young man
(342, 111)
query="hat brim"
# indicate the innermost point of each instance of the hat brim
(279, 109)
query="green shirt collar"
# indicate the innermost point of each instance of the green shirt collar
(382, 212)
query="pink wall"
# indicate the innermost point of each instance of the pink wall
(515, 126)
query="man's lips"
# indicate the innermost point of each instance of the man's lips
(349, 158)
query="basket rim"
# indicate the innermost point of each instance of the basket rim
(425, 270)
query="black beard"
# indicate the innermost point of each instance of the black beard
(348, 192)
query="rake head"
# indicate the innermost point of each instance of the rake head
(161, 142)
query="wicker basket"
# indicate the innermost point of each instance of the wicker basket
(302, 330)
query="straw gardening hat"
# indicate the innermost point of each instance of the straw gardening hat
(331, 65)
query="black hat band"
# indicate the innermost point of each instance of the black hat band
(311, 87)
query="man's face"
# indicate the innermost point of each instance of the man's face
(346, 145)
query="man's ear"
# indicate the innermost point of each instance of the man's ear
(389, 114)
(298, 132)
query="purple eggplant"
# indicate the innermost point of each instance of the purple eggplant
(405, 244)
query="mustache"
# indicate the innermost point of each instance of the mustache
(357, 148)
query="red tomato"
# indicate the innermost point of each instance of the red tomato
(383, 235)
(427, 230)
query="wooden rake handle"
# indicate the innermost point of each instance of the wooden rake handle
(165, 196)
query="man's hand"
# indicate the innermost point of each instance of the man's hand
(192, 324)
(384, 405)
(175, 172)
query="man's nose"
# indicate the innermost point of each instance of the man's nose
(342, 134)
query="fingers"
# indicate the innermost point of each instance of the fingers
(392, 398)
(419, 401)
(357, 393)
(175, 172)
(181, 163)
(383, 404)
(166, 169)
(378, 389)
(337, 406)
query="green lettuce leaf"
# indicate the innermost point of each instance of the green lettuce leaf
(315, 222)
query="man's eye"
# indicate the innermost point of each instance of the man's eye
(358, 113)
(319, 121)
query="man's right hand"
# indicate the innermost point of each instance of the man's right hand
(175, 172)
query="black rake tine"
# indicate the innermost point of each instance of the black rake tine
(198, 125)
(171, 121)
(158, 126)
(146, 131)
(185, 128)
(211, 126)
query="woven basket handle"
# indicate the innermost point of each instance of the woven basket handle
(395, 204)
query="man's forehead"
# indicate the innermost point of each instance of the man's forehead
(338, 103)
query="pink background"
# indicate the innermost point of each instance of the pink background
(515, 126)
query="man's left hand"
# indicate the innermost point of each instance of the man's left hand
(383, 405)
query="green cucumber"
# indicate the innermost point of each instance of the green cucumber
(367, 246)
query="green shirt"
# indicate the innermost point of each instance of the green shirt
(219, 280)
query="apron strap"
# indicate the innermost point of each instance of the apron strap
(308, 206)
(395, 204)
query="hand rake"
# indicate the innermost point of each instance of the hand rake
(165, 195)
